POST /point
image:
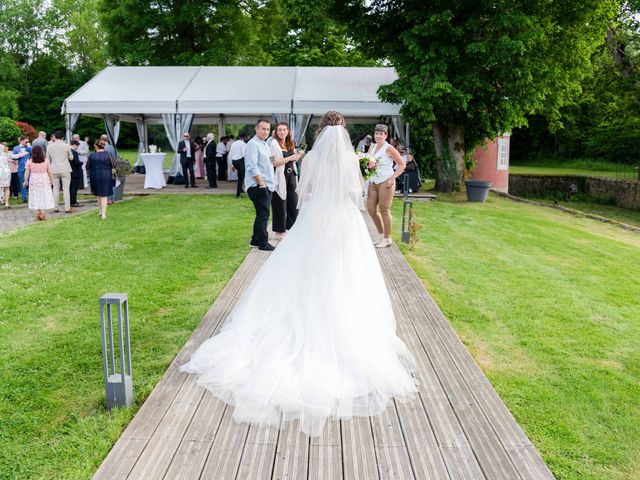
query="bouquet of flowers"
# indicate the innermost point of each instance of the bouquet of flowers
(368, 165)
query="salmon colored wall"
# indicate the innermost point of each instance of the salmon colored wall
(486, 164)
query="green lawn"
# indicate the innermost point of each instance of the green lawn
(171, 254)
(618, 214)
(548, 304)
(588, 167)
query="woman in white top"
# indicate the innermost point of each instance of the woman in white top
(284, 203)
(382, 185)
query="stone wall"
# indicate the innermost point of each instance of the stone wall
(625, 192)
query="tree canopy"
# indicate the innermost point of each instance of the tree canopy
(474, 69)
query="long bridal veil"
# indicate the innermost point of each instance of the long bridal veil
(313, 337)
(330, 174)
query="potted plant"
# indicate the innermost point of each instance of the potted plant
(123, 168)
(477, 190)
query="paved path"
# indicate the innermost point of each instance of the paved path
(19, 215)
(456, 428)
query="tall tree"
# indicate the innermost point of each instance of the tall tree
(313, 37)
(473, 69)
(189, 32)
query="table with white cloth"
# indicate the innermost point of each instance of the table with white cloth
(153, 167)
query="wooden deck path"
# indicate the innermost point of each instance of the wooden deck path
(456, 428)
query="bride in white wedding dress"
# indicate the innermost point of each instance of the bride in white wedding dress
(313, 337)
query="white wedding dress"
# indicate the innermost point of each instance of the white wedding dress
(313, 337)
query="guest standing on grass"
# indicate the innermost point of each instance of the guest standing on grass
(13, 168)
(39, 178)
(76, 173)
(41, 141)
(210, 160)
(383, 184)
(236, 154)
(186, 149)
(258, 182)
(100, 165)
(199, 157)
(221, 158)
(83, 153)
(22, 153)
(5, 176)
(284, 203)
(59, 155)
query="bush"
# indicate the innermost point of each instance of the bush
(9, 131)
(27, 129)
(123, 167)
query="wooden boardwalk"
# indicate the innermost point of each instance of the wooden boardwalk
(456, 428)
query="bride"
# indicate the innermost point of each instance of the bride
(313, 337)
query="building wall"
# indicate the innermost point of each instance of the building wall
(492, 163)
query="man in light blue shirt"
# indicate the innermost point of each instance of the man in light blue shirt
(259, 182)
(22, 153)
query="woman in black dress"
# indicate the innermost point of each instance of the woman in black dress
(99, 166)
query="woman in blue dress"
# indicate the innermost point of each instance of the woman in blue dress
(100, 167)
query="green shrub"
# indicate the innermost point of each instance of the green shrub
(9, 131)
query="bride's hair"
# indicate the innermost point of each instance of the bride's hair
(329, 119)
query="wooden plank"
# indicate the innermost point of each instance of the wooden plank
(493, 458)
(257, 458)
(358, 453)
(196, 443)
(439, 447)
(292, 453)
(135, 437)
(325, 454)
(391, 451)
(119, 462)
(159, 451)
(224, 457)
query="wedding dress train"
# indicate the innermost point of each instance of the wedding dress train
(313, 337)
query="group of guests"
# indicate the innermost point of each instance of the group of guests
(37, 172)
(271, 172)
(202, 156)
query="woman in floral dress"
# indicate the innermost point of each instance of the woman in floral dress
(38, 178)
(5, 176)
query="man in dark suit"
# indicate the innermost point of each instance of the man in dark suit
(210, 160)
(186, 149)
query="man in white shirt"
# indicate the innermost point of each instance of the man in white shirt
(210, 160)
(236, 154)
(83, 153)
(186, 149)
(221, 158)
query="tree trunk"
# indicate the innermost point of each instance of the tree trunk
(449, 147)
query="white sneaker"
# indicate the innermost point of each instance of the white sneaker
(385, 242)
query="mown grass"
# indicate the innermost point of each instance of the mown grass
(590, 167)
(613, 212)
(549, 306)
(171, 254)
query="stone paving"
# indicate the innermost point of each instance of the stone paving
(20, 215)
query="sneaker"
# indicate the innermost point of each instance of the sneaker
(254, 244)
(267, 247)
(385, 242)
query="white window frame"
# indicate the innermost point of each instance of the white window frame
(502, 162)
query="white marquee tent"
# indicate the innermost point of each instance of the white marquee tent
(178, 97)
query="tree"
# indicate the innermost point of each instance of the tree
(191, 32)
(469, 70)
(312, 37)
(9, 80)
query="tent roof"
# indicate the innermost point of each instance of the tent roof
(239, 91)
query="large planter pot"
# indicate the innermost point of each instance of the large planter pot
(119, 190)
(477, 190)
